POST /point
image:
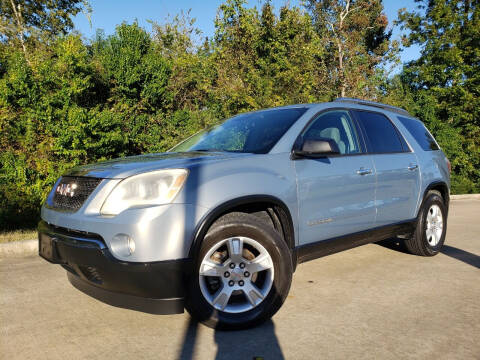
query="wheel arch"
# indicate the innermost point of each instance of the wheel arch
(441, 187)
(244, 204)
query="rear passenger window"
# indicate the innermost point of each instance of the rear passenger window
(419, 133)
(382, 137)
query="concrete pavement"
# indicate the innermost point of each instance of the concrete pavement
(374, 301)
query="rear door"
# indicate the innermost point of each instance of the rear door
(396, 166)
(335, 193)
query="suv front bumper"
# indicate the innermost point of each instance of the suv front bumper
(153, 287)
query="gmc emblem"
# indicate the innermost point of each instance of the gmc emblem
(66, 189)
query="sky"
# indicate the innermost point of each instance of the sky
(107, 14)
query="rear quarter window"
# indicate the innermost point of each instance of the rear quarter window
(419, 133)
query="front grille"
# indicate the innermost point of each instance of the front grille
(72, 191)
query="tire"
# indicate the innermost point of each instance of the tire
(259, 241)
(425, 242)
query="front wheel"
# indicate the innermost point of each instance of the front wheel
(242, 273)
(429, 234)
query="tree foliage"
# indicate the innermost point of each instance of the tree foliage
(357, 43)
(444, 82)
(65, 101)
(27, 24)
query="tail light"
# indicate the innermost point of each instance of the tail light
(449, 165)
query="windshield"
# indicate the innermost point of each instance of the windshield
(255, 132)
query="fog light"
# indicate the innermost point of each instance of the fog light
(123, 245)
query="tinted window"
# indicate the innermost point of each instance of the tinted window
(337, 126)
(419, 133)
(255, 132)
(382, 137)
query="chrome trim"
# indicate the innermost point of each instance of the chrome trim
(362, 171)
(62, 235)
(78, 241)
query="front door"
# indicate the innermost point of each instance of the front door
(336, 193)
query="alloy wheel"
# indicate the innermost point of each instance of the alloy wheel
(236, 274)
(434, 228)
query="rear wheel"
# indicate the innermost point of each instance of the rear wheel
(242, 273)
(429, 234)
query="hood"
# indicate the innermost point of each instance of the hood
(132, 165)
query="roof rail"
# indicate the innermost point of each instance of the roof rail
(373, 103)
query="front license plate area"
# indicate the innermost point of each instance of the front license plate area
(46, 247)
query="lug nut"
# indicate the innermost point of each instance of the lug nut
(241, 283)
(242, 265)
(246, 274)
(231, 283)
(227, 274)
(232, 266)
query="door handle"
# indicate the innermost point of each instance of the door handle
(412, 167)
(362, 171)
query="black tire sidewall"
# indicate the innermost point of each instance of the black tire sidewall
(432, 199)
(272, 242)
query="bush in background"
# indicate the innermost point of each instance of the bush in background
(65, 101)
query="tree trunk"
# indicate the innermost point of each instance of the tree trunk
(341, 70)
(19, 19)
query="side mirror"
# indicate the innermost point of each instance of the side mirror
(320, 147)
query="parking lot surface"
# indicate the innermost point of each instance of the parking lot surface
(375, 301)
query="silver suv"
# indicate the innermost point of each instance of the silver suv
(218, 224)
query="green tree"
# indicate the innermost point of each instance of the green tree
(192, 75)
(358, 44)
(23, 22)
(137, 75)
(263, 60)
(448, 74)
(292, 54)
(65, 101)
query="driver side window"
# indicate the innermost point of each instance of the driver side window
(335, 125)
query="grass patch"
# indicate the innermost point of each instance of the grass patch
(17, 235)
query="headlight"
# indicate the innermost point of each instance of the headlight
(149, 189)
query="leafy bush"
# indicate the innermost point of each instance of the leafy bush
(66, 102)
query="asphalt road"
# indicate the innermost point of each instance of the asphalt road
(370, 302)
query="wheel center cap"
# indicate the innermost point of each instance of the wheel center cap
(237, 274)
